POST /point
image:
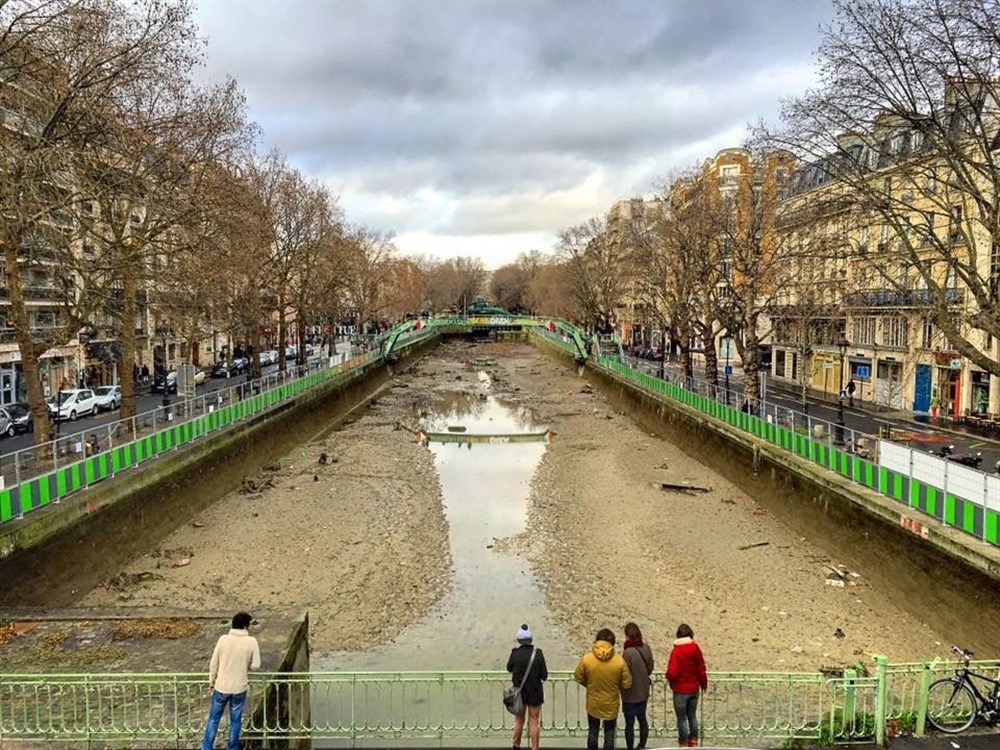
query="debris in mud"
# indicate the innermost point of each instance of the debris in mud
(126, 581)
(680, 487)
(271, 467)
(840, 576)
(255, 487)
(456, 428)
(169, 629)
(753, 546)
(315, 477)
(182, 563)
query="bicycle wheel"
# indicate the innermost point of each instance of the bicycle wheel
(951, 706)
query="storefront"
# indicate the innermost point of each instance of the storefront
(946, 396)
(889, 383)
(980, 397)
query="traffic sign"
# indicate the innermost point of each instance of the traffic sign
(728, 370)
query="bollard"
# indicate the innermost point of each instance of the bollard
(925, 683)
(881, 698)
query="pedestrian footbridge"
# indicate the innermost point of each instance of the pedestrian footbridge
(458, 709)
(473, 324)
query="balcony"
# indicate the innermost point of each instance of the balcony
(35, 293)
(902, 297)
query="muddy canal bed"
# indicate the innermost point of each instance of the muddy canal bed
(404, 551)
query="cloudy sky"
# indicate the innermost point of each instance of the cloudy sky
(483, 128)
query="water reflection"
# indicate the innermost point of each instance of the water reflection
(485, 499)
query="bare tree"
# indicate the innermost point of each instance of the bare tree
(905, 124)
(603, 267)
(71, 71)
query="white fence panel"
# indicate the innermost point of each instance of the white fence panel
(931, 469)
(993, 493)
(965, 482)
(894, 457)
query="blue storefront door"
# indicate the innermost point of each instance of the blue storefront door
(922, 390)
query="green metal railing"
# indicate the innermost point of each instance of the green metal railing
(169, 710)
(972, 517)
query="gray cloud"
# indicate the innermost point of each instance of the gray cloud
(515, 116)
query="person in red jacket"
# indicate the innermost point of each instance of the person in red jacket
(686, 675)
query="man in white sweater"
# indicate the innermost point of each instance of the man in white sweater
(235, 654)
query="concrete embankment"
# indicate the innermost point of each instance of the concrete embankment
(949, 579)
(56, 553)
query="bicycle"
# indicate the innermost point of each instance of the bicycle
(954, 703)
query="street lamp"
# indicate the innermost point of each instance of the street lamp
(162, 331)
(842, 345)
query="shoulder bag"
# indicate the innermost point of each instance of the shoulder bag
(512, 695)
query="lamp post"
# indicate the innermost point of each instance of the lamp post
(842, 345)
(162, 331)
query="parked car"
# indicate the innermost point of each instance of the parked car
(310, 351)
(15, 419)
(165, 383)
(72, 404)
(269, 357)
(109, 397)
(199, 377)
(239, 365)
(221, 370)
(291, 353)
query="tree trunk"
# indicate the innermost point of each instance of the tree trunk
(194, 346)
(300, 323)
(805, 376)
(282, 365)
(26, 346)
(686, 361)
(126, 340)
(711, 356)
(254, 338)
(750, 354)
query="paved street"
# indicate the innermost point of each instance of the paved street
(145, 402)
(913, 429)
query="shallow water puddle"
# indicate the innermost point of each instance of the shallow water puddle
(485, 486)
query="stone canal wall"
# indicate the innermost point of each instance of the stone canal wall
(101, 525)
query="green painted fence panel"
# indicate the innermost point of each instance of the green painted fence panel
(870, 474)
(6, 506)
(25, 496)
(62, 482)
(949, 509)
(89, 474)
(883, 480)
(931, 500)
(897, 486)
(159, 443)
(991, 527)
(44, 490)
(969, 517)
(914, 494)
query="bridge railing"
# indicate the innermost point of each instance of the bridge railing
(358, 708)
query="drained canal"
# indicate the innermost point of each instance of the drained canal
(485, 452)
(419, 554)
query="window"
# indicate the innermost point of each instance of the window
(45, 319)
(88, 251)
(887, 188)
(883, 237)
(955, 225)
(864, 330)
(895, 331)
(931, 183)
(928, 227)
(927, 335)
(863, 240)
(727, 270)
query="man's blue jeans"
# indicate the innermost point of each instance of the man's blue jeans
(236, 702)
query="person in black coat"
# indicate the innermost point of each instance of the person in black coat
(532, 695)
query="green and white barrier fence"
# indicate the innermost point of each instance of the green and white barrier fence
(47, 473)
(918, 481)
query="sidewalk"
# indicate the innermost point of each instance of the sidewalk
(879, 412)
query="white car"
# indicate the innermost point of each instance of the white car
(72, 404)
(108, 397)
(199, 377)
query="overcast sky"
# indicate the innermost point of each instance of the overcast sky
(483, 128)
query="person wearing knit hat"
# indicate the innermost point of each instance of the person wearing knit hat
(532, 694)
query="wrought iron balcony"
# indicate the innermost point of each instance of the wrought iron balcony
(903, 297)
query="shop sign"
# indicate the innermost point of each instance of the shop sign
(956, 364)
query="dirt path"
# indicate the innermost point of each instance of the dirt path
(363, 542)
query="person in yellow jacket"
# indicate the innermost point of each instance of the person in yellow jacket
(605, 674)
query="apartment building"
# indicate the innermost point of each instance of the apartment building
(903, 257)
